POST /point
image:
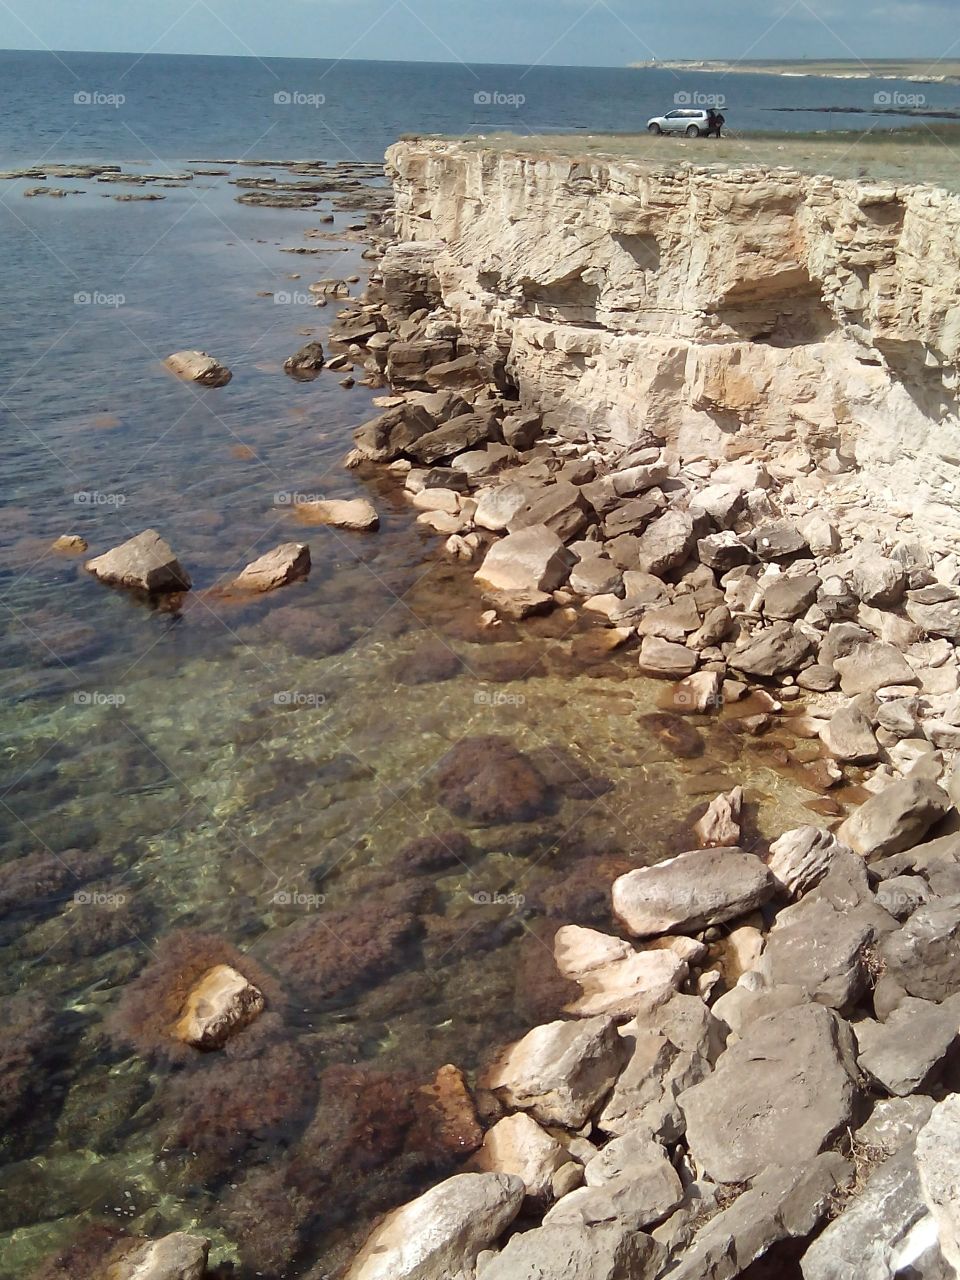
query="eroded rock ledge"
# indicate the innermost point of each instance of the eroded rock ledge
(729, 311)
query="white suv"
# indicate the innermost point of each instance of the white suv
(690, 121)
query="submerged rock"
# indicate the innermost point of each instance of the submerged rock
(222, 1003)
(144, 562)
(197, 366)
(487, 780)
(356, 514)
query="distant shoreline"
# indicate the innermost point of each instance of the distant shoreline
(919, 71)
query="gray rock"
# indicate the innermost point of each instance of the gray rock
(878, 581)
(439, 1235)
(645, 1095)
(821, 950)
(841, 639)
(385, 438)
(899, 716)
(642, 1199)
(848, 735)
(880, 1233)
(746, 1002)
(575, 1253)
(671, 622)
(778, 540)
(938, 1163)
(665, 661)
(772, 652)
(818, 678)
(595, 576)
(924, 955)
(936, 610)
(199, 367)
(560, 1072)
(631, 517)
(742, 1118)
(455, 436)
(902, 895)
(783, 1203)
(522, 429)
(560, 507)
(721, 502)
(869, 667)
(666, 543)
(787, 598)
(799, 859)
(498, 504)
(896, 818)
(144, 562)
(692, 891)
(906, 1052)
(723, 551)
(894, 1123)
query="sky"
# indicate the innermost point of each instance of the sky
(558, 32)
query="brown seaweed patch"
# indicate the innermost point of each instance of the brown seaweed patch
(152, 1002)
(486, 780)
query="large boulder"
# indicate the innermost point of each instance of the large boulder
(895, 818)
(924, 955)
(667, 542)
(558, 506)
(386, 437)
(144, 562)
(848, 734)
(664, 660)
(305, 363)
(197, 366)
(692, 891)
(816, 947)
(532, 559)
(870, 667)
(788, 1086)
(453, 437)
(938, 1164)
(439, 1235)
(800, 858)
(778, 649)
(604, 1252)
(284, 564)
(936, 610)
(560, 1072)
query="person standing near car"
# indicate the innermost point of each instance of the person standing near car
(717, 121)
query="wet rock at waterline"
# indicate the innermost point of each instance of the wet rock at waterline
(560, 1072)
(357, 515)
(532, 559)
(614, 977)
(692, 891)
(198, 366)
(305, 363)
(287, 563)
(518, 1145)
(144, 562)
(221, 1003)
(69, 544)
(439, 1235)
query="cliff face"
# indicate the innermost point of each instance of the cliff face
(723, 312)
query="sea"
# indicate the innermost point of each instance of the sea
(277, 783)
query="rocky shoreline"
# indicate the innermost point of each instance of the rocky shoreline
(758, 1068)
(776, 1062)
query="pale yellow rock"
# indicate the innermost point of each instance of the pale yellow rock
(355, 514)
(222, 1003)
(69, 544)
(284, 564)
(197, 366)
(517, 1144)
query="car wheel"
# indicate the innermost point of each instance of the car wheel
(654, 129)
(693, 132)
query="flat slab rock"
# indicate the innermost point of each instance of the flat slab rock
(560, 1072)
(773, 652)
(174, 1257)
(439, 1235)
(904, 1053)
(783, 1203)
(788, 1085)
(532, 559)
(924, 955)
(144, 562)
(198, 366)
(691, 892)
(820, 949)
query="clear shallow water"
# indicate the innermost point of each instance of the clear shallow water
(257, 771)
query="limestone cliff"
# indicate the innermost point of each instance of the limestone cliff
(723, 311)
